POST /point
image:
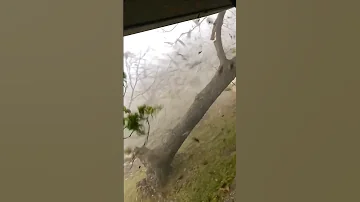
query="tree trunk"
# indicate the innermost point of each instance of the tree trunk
(158, 160)
(198, 108)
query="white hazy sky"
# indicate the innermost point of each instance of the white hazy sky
(156, 38)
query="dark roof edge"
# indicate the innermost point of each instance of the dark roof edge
(133, 29)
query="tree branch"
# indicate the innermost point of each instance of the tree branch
(133, 85)
(188, 32)
(218, 41)
(149, 87)
(126, 86)
(133, 158)
(148, 133)
(170, 29)
(129, 135)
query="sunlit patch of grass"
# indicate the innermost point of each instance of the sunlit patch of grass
(205, 165)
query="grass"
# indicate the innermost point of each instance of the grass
(130, 186)
(205, 165)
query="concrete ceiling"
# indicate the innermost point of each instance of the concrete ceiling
(143, 15)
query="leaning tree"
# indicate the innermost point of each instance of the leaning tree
(158, 160)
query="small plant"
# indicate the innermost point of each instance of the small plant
(135, 121)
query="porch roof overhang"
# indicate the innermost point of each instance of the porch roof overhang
(143, 15)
